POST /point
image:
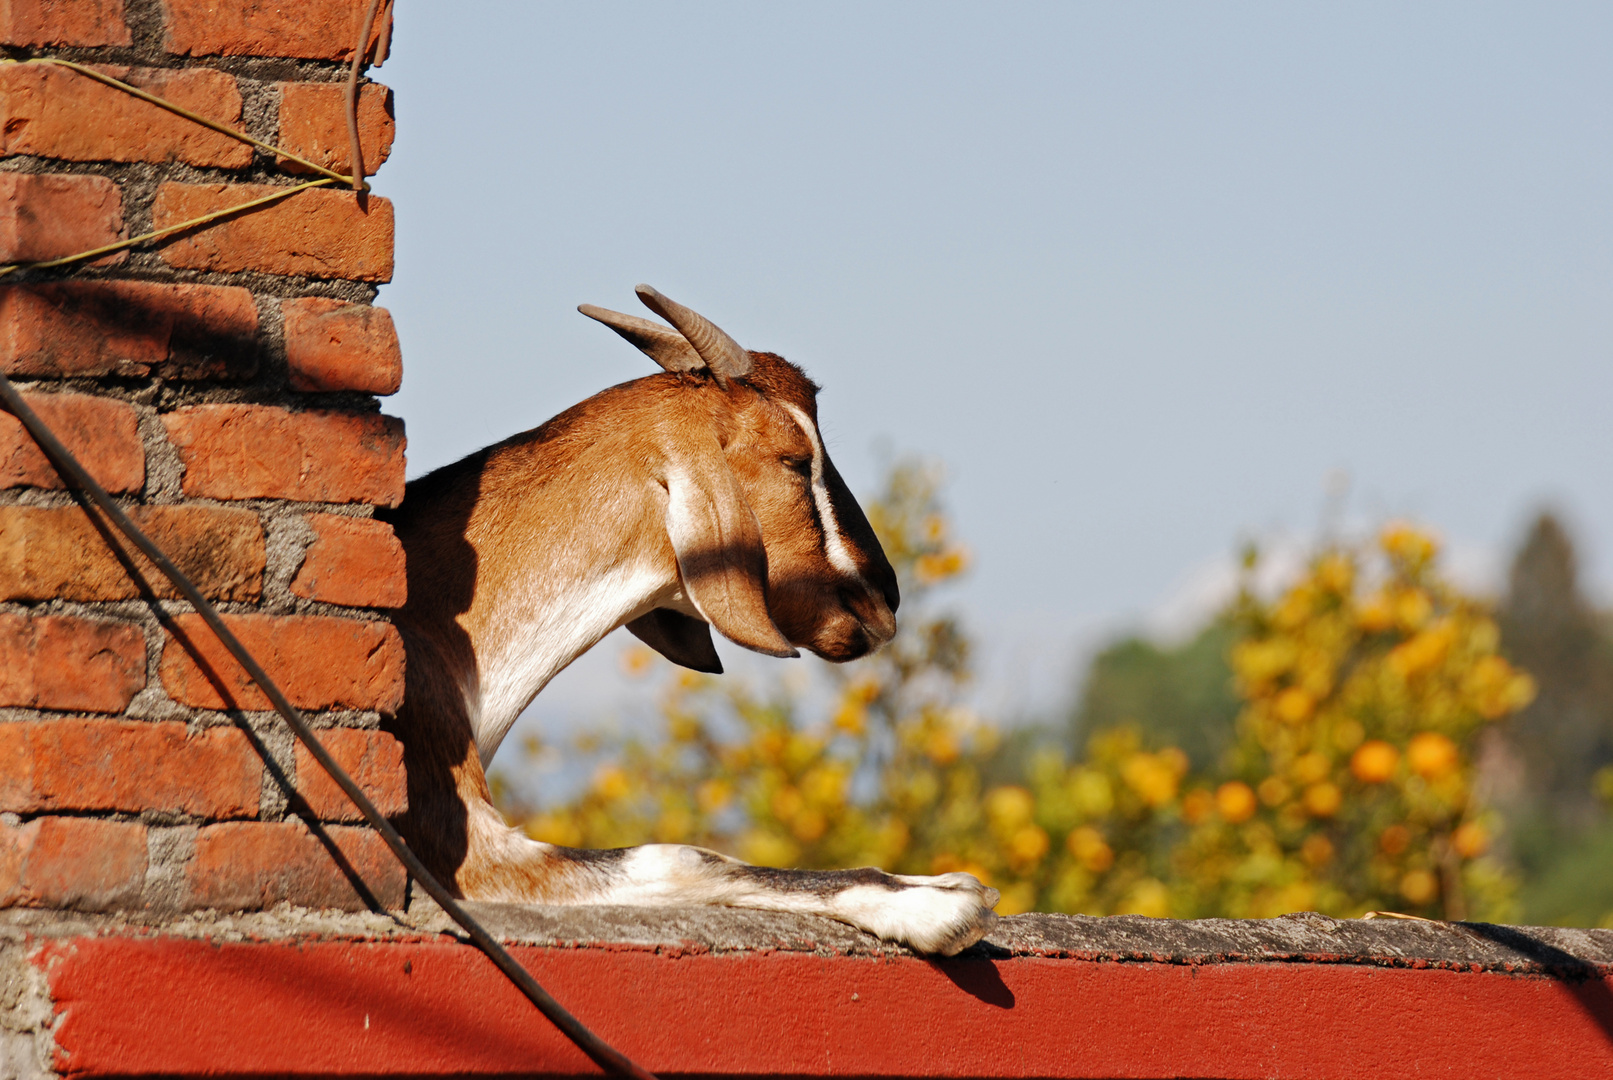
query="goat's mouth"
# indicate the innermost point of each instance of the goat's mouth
(838, 649)
(873, 614)
(863, 624)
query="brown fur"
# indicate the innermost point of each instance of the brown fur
(495, 541)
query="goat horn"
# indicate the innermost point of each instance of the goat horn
(722, 354)
(660, 343)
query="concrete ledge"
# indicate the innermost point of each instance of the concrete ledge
(726, 992)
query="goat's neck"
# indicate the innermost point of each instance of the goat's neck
(527, 633)
(516, 570)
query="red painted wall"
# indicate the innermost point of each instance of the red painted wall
(429, 1007)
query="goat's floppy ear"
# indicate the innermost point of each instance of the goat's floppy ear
(718, 543)
(679, 638)
(660, 343)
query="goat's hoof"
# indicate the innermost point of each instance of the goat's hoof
(944, 914)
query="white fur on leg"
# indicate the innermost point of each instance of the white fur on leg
(943, 914)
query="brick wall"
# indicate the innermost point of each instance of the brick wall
(222, 385)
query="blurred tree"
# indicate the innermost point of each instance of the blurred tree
(1566, 734)
(1365, 686)
(1552, 764)
(1181, 696)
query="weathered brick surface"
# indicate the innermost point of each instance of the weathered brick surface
(59, 553)
(312, 29)
(313, 124)
(321, 233)
(103, 434)
(46, 216)
(134, 328)
(65, 22)
(62, 662)
(78, 764)
(260, 452)
(332, 345)
(86, 864)
(352, 561)
(117, 341)
(373, 759)
(56, 112)
(320, 662)
(246, 866)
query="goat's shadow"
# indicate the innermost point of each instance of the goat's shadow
(974, 971)
(433, 724)
(1585, 981)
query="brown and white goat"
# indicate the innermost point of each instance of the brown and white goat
(699, 497)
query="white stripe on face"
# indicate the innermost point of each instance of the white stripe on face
(833, 544)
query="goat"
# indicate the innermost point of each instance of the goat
(694, 498)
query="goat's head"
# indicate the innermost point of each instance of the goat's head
(772, 548)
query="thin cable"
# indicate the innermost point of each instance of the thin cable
(157, 234)
(606, 1056)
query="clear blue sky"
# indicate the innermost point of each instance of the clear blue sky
(1141, 275)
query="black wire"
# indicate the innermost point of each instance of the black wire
(606, 1056)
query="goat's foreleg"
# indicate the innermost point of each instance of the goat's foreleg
(931, 914)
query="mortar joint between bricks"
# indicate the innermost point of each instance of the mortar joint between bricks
(164, 471)
(152, 701)
(148, 28)
(273, 368)
(287, 286)
(27, 1015)
(260, 115)
(277, 785)
(266, 721)
(287, 538)
(174, 394)
(139, 181)
(261, 68)
(169, 851)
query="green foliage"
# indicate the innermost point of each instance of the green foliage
(1566, 734)
(1552, 762)
(1179, 696)
(1568, 882)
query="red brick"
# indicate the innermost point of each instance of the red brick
(261, 452)
(62, 662)
(56, 112)
(65, 22)
(58, 553)
(313, 124)
(373, 759)
(353, 561)
(320, 662)
(250, 865)
(86, 864)
(332, 345)
(134, 328)
(311, 29)
(320, 233)
(103, 434)
(75, 764)
(46, 215)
